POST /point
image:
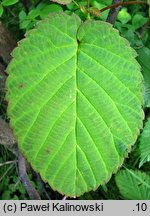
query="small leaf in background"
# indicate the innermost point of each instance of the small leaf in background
(108, 2)
(79, 10)
(33, 14)
(133, 185)
(64, 2)
(100, 5)
(49, 9)
(129, 35)
(124, 16)
(9, 2)
(148, 1)
(144, 60)
(138, 21)
(144, 145)
(41, 11)
(72, 6)
(1, 10)
(5, 195)
(27, 22)
(22, 15)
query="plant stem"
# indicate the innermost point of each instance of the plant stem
(76, 3)
(26, 5)
(7, 162)
(43, 186)
(10, 167)
(11, 12)
(33, 194)
(88, 4)
(114, 12)
(122, 3)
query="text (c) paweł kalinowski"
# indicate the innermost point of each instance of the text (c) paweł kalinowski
(61, 207)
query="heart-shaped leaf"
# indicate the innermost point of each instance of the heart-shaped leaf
(75, 96)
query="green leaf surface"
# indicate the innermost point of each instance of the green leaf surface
(100, 5)
(22, 15)
(75, 101)
(148, 1)
(124, 16)
(108, 2)
(9, 2)
(133, 185)
(28, 21)
(144, 145)
(49, 9)
(33, 14)
(1, 10)
(64, 2)
(138, 21)
(144, 60)
(72, 6)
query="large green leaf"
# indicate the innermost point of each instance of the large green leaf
(75, 96)
(133, 185)
(144, 60)
(144, 144)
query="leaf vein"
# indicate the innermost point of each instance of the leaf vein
(93, 143)
(110, 99)
(120, 81)
(44, 106)
(34, 86)
(35, 157)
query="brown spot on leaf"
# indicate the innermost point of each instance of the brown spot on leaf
(21, 85)
(48, 150)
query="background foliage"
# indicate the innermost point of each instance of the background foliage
(133, 180)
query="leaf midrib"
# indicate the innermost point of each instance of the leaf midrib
(138, 178)
(76, 110)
